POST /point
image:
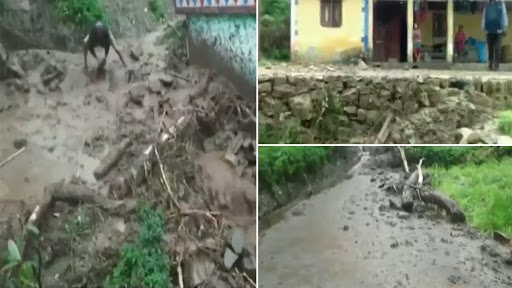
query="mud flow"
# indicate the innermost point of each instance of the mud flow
(85, 147)
(356, 235)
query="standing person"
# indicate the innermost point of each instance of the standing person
(494, 23)
(460, 41)
(416, 38)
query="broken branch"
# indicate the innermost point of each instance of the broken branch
(112, 158)
(10, 158)
(402, 154)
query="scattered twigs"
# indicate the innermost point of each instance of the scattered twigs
(180, 272)
(402, 154)
(249, 279)
(166, 181)
(10, 158)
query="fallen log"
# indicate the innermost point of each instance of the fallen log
(407, 198)
(112, 158)
(450, 206)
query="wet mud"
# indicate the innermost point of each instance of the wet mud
(349, 236)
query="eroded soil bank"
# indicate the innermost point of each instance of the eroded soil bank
(349, 236)
(188, 147)
(351, 105)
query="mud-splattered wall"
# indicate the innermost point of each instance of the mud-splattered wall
(230, 37)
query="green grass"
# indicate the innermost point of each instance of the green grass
(505, 122)
(278, 165)
(483, 191)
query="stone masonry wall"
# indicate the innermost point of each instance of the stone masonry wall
(426, 109)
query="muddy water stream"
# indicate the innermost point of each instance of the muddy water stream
(344, 238)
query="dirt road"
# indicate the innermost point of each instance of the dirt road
(349, 237)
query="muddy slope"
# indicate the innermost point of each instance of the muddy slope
(70, 120)
(348, 236)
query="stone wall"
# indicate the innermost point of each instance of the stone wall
(347, 108)
(226, 43)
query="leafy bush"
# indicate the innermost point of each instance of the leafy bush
(157, 8)
(81, 13)
(505, 122)
(447, 156)
(278, 165)
(144, 263)
(274, 29)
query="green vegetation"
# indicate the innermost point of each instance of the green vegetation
(478, 178)
(279, 165)
(330, 126)
(157, 8)
(274, 29)
(18, 272)
(144, 263)
(81, 13)
(505, 122)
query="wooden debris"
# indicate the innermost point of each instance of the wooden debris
(10, 158)
(112, 158)
(384, 131)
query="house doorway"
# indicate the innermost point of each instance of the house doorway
(390, 31)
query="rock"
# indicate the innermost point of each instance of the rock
(13, 70)
(237, 240)
(504, 140)
(403, 215)
(3, 54)
(284, 91)
(302, 106)
(136, 52)
(350, 110)
(346, 227)
(137, 93)
(19, 143)
(361, 115)
(166, 80)
(154, 84)
(52, 74)
(475, 138)
(229, 258)
(249, 266)
(264, 87)
(462, 135)
(297, 212)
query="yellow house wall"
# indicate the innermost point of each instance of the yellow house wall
(315, 43)
(471, 23)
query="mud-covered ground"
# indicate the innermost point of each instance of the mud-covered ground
(69, 120)
(349, 236)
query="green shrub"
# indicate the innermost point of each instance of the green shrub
(144, 263)
(505, 122)
(157, 8)
(274, 29)
(278, 165)
(81, 13)
(447, 156)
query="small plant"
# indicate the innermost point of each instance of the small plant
(157, 8)
(505, 122)
(144, 263)
(19, 272)
(81, 13)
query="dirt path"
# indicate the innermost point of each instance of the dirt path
(348, 237)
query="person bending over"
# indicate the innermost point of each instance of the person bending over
(100, 36)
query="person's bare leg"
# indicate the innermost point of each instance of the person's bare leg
(114, 45)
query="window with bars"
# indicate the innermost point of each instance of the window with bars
(331, 13)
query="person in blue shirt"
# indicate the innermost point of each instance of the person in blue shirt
(494, 23)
